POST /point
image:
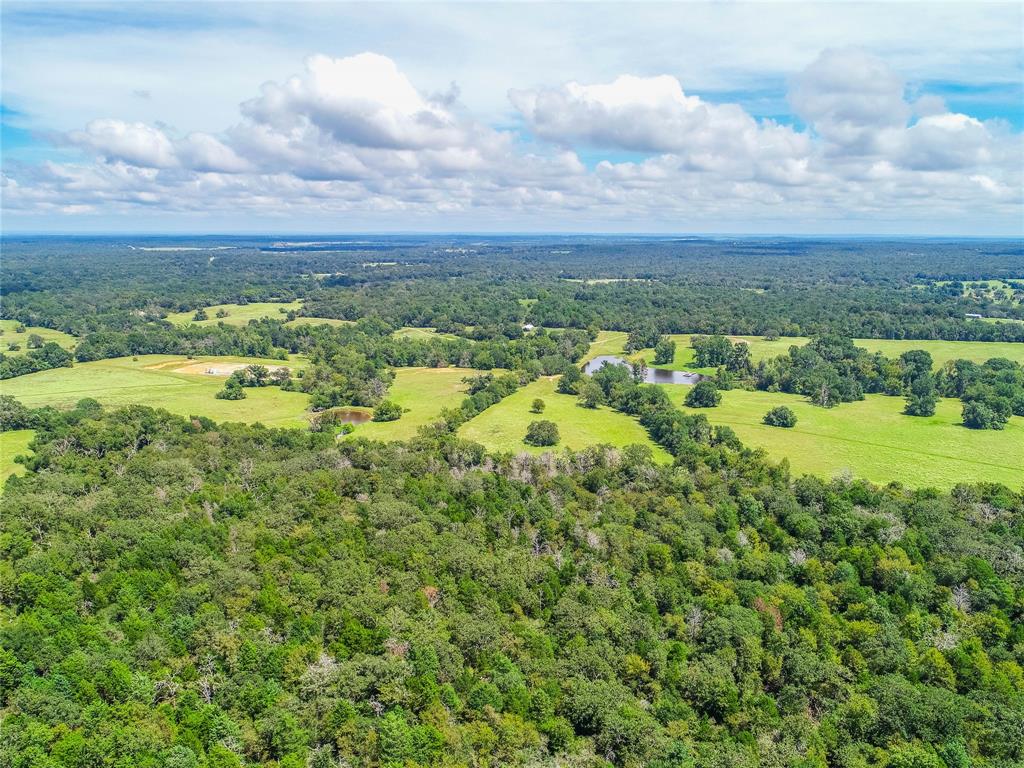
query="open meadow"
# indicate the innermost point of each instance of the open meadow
(762, 349)
(237, 314)
(873, 439)
(10, 335)
(14, 443)
(424, 391)
(173, 382)
(503, 426)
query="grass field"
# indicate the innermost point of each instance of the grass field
(503, 426)
(609, 343)
(319, 321)
(13, 444)
(156, 380)
(424, 391)
(10, 335)
(238, 314)
(874, 440)
(411, 332)
(941, 351)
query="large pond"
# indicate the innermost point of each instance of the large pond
(653, 376)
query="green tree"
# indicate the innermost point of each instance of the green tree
(703, 394)
(922, 397)
(387, 410)
(542, 433)
(664, 352)
(780, 416)
(537, 406)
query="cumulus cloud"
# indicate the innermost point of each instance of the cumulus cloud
(850, 98)
(362, 100)
(135, 143)
(353, 135)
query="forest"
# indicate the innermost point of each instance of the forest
(195, 592)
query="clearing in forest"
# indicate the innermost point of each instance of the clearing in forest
(237, 314)
(503, 426)
(157, 381)
(873, 439)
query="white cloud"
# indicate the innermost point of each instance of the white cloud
(135, 143)
(355, 137)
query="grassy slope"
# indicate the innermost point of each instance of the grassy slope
(123, 381)
(13, 444)
(239, 314)
(503, 426)
(48, 334)
(424, 391)
(873, 439)
(318, 321)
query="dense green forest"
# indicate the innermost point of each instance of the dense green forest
(183, 593)
(178, 593)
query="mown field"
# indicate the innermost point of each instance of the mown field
(11, 336)
(873, 439)
(424, 391)
(157, 380)
(238, 314)
(503, 426)
(13, 444)
(760, 349)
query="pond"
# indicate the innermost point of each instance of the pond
(654, 375)
(351, 415)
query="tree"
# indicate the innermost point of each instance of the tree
(978, 414)
(538, 406)
(281, 377)
(542, 433)
(569, 382)
(703, 394)
(257, 375)
(639, 370)
(922, 397)
(711, 351)
(200, 314)
(232, 391)
(591, 394)
(387, 410)
(739, 359)
(664, 352)
(915, 363)
(780, 416)
(641, 338)
(35, 341)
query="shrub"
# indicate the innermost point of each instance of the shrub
(232, 391)
(542, 433)
(780, 416)
(387, 410)
(538, 406)
(704, 394)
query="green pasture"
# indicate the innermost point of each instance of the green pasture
(238, 314)
(156, 380)
(503, 426)
(874, 439)
(14, 443)
(332, 321)
(10, 335)
(424, 391)
(940, 350)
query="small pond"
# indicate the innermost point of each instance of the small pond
(351, 415)
(654, 375)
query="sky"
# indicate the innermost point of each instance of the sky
(685, 117)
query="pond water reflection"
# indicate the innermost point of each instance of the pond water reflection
(653, 376)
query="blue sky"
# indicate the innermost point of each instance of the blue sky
(674, 117)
